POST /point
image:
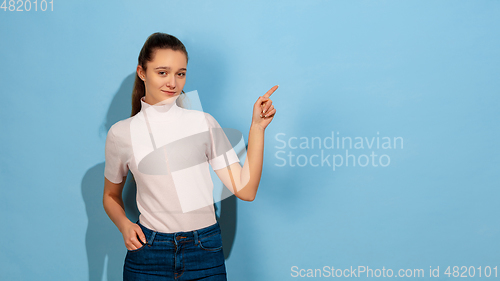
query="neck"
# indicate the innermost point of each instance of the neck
(168, 101)
(164, 111)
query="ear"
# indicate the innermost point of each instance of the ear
(141, 73)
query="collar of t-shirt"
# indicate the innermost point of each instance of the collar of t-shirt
(166, 111)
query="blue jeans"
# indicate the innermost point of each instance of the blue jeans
(192, 255)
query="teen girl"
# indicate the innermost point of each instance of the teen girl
(168, 149)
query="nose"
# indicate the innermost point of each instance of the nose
(171, 81)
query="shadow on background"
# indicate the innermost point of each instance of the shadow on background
(104, 243)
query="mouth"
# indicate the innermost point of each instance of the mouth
(170, 93)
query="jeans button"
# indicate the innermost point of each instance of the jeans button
(178, 238)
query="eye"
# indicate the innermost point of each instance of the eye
(161, 72)
(182, 74)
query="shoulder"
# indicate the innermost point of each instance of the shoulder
(196, 115)
(211, 121)
(121, 128)
(191, 112)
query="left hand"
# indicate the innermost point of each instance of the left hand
(263, 109)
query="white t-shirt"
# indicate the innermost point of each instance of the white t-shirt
(168, 148)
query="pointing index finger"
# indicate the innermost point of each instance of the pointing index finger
(270, 92)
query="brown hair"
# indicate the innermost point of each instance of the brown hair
(154, 42)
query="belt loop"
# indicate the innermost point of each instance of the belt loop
(195, 237)
(150, 242)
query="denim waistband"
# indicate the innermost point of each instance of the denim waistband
(152, 235)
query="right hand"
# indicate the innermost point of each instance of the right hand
(130, 234)
(259, 117)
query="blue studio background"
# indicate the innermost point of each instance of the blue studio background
(413, 85)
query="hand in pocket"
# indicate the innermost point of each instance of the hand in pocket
(133, 237)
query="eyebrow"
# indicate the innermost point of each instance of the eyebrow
(168, 68)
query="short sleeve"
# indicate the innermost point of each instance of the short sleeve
(115, 168)
(220, 153)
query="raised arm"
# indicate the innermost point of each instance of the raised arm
(244, 181)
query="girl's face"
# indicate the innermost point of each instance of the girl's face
(165, 76)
